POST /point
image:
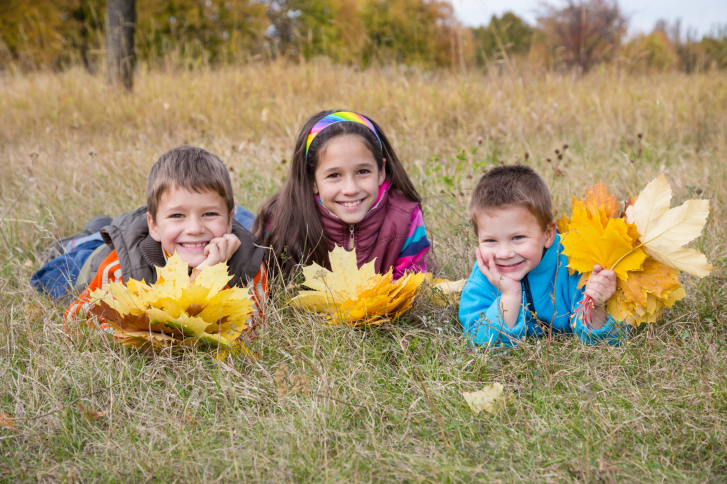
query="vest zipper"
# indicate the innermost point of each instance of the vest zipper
(350, 238)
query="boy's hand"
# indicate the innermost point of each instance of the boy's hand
(506, 285)
(220, 249)
(601, 286)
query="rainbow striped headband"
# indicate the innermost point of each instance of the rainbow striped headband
(338, 117)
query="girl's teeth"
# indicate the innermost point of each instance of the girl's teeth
(351, 204)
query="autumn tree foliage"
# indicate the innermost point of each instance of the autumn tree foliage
(584, 32)
(506, 35)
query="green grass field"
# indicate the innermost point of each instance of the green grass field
(383, 404)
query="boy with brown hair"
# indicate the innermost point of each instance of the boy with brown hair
(189, 211)
(520, 285)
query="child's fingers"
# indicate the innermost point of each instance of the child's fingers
(493, 267)
(233, 243)
(596, 269)
(481, 264)
(608, 274)
(213, 254)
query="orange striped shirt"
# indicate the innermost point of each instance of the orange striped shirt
(110, 271)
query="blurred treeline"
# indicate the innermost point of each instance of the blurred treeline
(60, 33)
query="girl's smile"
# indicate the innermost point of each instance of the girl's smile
(347, 178)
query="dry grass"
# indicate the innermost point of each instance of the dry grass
(384, 404)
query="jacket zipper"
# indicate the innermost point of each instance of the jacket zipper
(531, 305)
(350, 237)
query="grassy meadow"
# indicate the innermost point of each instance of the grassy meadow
(335, 404)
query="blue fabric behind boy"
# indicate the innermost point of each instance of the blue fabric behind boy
(549, 284)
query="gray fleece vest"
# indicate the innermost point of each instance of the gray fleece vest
(139, 254)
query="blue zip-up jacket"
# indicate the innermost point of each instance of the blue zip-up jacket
(549, 292)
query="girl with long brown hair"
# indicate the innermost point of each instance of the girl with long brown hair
(346, 187)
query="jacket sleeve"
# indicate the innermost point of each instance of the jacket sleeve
(613, 331)
(259, 292)
(415, 247)
(109, 271)
(481, 315)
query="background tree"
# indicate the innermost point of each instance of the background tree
(423, 32)
(585, 32)
(120, 27)
(508, 34)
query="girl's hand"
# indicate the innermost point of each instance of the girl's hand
(506, 285)
(220, 249)
(601, 286)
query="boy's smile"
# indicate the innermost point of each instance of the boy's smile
(347, 178)
(515, 239)
(187, 221)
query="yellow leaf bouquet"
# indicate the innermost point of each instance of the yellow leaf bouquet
(177, 310)
(643, 245)
(349, 295)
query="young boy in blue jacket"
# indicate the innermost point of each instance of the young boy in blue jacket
(520, 285)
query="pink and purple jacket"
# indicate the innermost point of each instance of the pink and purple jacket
(392, 232)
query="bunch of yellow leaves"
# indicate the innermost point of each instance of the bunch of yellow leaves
(349, 295)
(643, 247)
(177, 310)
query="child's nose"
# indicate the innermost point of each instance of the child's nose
(504, 251)
(350, 186)
(194, 225)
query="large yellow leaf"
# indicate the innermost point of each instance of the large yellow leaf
(586, 247)
(349, 295)
(664, 231)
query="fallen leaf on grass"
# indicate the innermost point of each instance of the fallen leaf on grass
(89, 414)
(487, 399)
(444, 291)
(7, 422)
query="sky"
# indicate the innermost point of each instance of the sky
(702, 16)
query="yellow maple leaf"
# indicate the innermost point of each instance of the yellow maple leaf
(357, 296)
(176, 310)
(655, 278)
(487, 399)
(664, 231)
(601, 203)
(585, 246)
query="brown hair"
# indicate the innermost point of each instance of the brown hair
(504, 186)
(289, 222)
(191, 168)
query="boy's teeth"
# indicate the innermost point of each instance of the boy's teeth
(202, 244)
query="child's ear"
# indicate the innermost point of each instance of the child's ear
(550, 235)
(382, 172)
(315, 188)
(153, 227)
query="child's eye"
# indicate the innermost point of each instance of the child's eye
(211, 214)
(488, 241)
(364, 171)
(176, 215)
(333, 175)
(518, 237)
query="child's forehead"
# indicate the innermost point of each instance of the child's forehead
(176, 194)
(506, 219)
